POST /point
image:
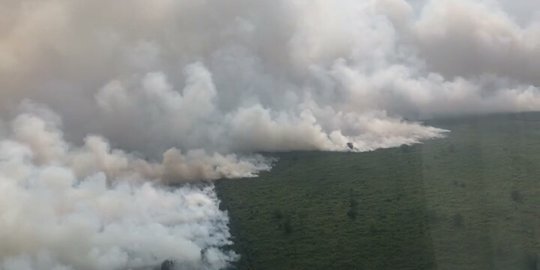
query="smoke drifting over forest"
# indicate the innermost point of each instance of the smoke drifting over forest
(104, 102)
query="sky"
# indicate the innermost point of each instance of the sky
(104, 103)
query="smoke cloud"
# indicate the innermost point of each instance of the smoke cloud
(92, 207)
(104, 102)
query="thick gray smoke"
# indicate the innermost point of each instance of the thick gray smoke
(180, 90)
(243, 76)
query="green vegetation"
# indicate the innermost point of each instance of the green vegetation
(468, 201)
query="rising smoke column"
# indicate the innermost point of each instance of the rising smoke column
(180, 90)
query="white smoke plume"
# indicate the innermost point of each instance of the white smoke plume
(92, 207)
(181, 90)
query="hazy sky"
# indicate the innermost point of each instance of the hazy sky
(104, 101)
